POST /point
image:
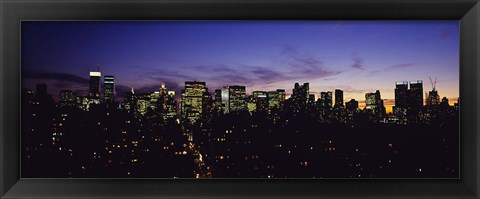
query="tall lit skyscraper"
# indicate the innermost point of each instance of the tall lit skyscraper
(237, 98)
(171, 106)
(94, 91)
(225, 99)
(338, 98)
(192, 101)
(109, 88)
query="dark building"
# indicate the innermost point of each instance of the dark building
(130, 101)
(433, 99)
(324, 104)
(415, 98)
(338, 98)
(401, 94)
(94, 91)
(415, 101)
(352, 105)
(109, 88)
(401, 97)
(42, 96)
(41, 90)
(218, 100)
(300, 97)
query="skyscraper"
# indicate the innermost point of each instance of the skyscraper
(261, 100)
(373, 100)
(401, 98)
(281, 96)
(130, 101)
(415, 101)
(374, 106)
(225, 99)
(338, 98)
(324, 104)
(433, 99)
(192, 101)
(415, 98)
(171, 106)
(401, 94)
(326, 100)
(300, 96)
(218, 99)
(109, 88)
(237, 98)
(94, 91)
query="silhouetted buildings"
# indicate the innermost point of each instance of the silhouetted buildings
(236, 135)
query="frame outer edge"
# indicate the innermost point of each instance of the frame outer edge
(3, 188)
(2, 140)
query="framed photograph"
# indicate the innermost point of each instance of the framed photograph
(240, 99)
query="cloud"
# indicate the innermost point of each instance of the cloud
(302, 66)
(61, 77)
(357, 63)
(393, 67)
(267, 75)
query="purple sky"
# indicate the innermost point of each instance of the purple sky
(355, 56)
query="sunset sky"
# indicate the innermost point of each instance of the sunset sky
(355, 56)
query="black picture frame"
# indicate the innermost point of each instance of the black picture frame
(13, 11)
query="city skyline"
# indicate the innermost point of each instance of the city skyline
(356, 57)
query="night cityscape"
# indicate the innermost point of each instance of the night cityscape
(296, 119)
